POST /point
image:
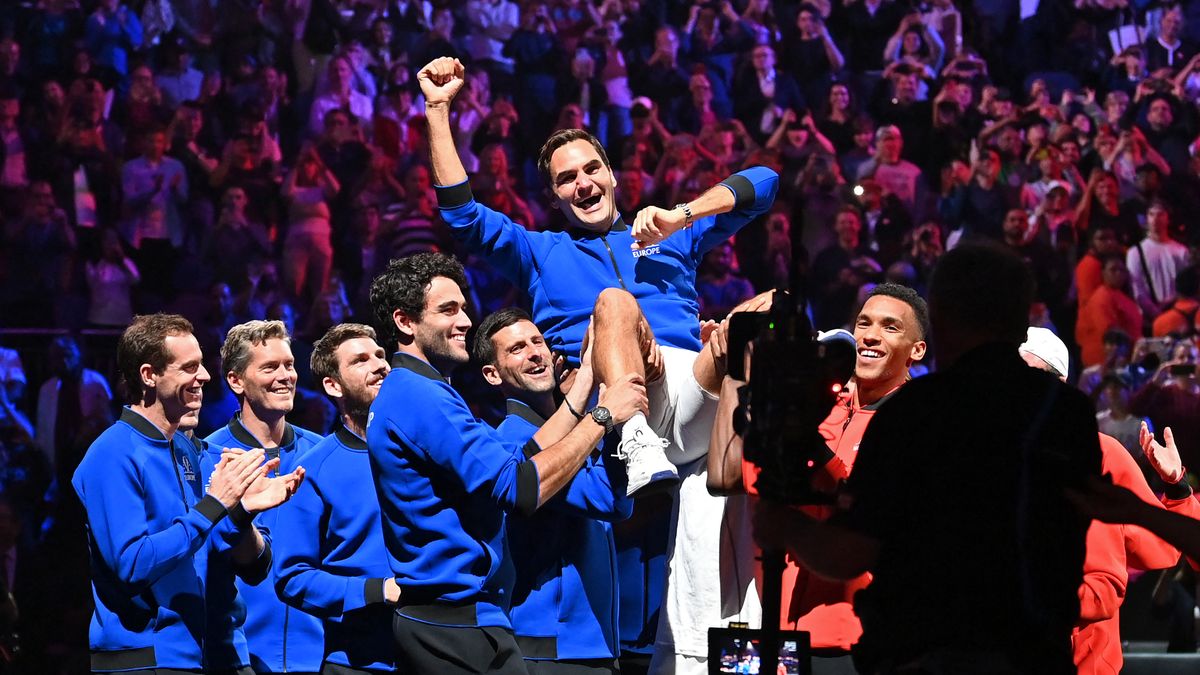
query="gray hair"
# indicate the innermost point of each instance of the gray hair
(235, 353)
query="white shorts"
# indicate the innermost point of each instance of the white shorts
(680, 410)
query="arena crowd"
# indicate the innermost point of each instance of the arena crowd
(231, 161)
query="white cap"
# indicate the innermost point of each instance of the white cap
(1044, 344)
(837, 334)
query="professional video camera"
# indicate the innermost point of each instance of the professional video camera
(795, 379)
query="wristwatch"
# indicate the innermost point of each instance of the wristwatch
(601, 415)
(687, 213)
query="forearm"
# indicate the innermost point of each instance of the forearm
(828, 549)
(724, 446)
(447, 167)
(558, 464)
(250, 548)
(713, 202)
(1178, 530)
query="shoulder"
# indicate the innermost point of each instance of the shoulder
(308, 439)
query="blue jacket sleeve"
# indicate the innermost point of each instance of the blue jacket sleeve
(597, 491)
(753, 193)
(117, 517)
(506, 245)
(297, 574)
(450, 436)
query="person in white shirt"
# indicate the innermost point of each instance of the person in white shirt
(339, 93)
(110, 282)
(71, 398)
(491, 23)
(1154, 262)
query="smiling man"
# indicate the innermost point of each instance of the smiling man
(637, 282)
(330, 560)
(564, 611)
(259, 369)
(446, 480)
(161, 514)
(890, 336)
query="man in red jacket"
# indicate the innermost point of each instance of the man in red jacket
(889, 332)
(1113, 549)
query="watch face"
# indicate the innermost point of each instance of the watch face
(601, 415)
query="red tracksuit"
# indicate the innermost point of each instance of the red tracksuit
(822, 607)
(1111, 551)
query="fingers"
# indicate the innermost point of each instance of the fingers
(1145, 438)
(1168, 438)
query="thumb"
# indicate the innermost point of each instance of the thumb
(602, 390)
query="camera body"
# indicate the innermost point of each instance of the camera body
(794, 381)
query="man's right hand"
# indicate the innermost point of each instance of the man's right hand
(625, 398)
(391, 591)
(234, 474)
(441, 79)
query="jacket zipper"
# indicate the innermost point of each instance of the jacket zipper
(178, 478)
(613, 258)
(287, 614)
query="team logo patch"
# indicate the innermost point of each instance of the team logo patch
(646, 251)
(370, 418)
(189, 474)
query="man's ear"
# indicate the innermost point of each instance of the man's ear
(147, 375)
(332, 387)
(918, 350)
(492, 375)
(405, 324)
(235, 383)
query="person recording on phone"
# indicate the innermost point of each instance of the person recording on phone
(890, 333)
(957, 501)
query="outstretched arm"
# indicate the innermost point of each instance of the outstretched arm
(440, 81)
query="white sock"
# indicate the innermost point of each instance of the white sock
(635, 423)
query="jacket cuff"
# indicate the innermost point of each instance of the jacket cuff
(210, 507)
(743, 191)
(373, 591)
(240, 516)
(254, 573)
(453, 196)
(527, 488)
(1180, 490)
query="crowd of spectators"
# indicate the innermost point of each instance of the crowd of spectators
(242, 159)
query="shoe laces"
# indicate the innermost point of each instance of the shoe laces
(628, 449)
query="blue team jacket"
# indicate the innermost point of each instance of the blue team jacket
(153, 533)
(330, 560)
(565, 272)
(565, 598)
(280, 638)
(445, 480)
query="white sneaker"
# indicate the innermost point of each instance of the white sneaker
(646, 464)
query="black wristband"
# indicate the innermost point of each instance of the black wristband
(578, 415)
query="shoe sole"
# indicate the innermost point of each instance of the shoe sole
(663, 481)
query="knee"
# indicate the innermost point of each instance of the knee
(615, 304)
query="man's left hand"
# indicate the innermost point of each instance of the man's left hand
(652, 225)
(267, 493)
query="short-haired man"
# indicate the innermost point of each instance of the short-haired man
(638, 282)
(564, 611)
(1112, 550)
(446, 479)
(890, 333)
(1154, 261)
(330, 560)
(257, 361)
(159, 511)
(957, 503)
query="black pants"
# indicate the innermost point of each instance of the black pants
(455, 650)
(580, 667)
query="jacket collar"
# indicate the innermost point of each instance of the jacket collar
(349, 438)
(519, 409)
(416, 365)
(247, 439)
(142, 425)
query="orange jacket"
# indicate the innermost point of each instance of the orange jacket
(1111, 551)
(1107, 308)
(822, 607)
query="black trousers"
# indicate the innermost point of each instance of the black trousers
(455, 650)
(580, 667)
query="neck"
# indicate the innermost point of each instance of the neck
(154, 412)
(267, 427)
(355, 423)
(869, 393)
(541, 403)
(415, 350)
